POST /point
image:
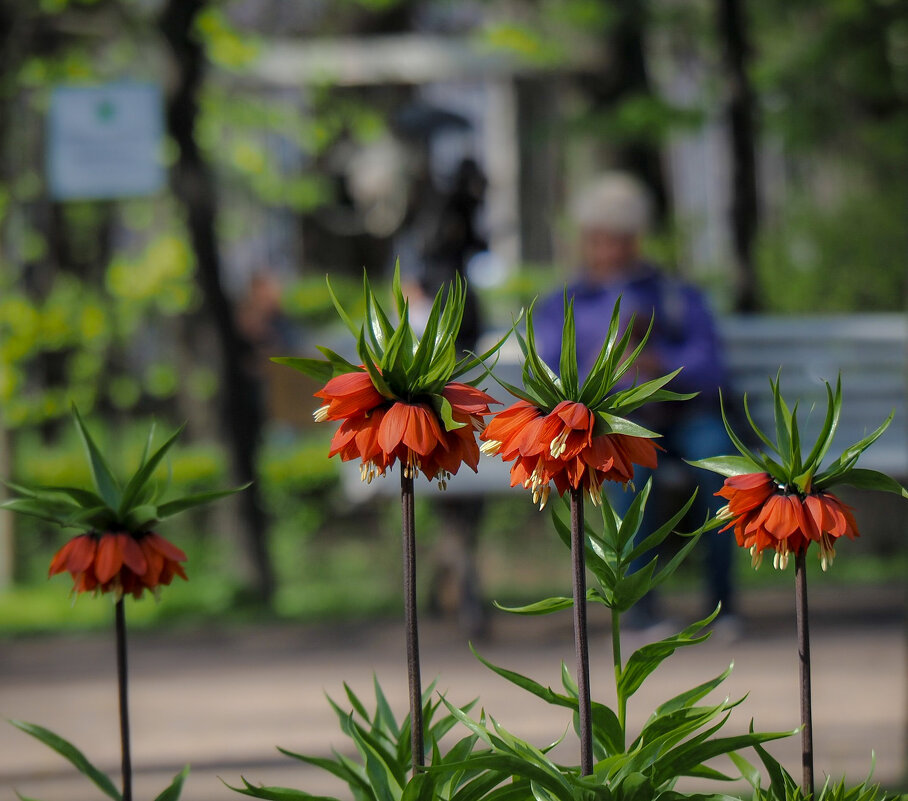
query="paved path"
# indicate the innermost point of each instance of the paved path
(222, 699)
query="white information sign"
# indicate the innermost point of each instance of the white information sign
(105, 141)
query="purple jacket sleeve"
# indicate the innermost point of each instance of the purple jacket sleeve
(697, 350)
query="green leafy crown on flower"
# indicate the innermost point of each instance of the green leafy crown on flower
(545, 389)
(132, 506)
(401, 365)
(786, 463)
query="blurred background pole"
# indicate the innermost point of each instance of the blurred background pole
(194, 187)
(6, 520)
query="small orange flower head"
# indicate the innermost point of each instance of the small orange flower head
(402, 403)
(765, 515)
(119, 562)
(571, 435)
(782, 501)
(119, 552)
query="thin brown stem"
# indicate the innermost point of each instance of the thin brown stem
(408, 534)
(804, 662)
(578, 561)
(126, 759)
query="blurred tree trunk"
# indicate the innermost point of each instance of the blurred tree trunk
(194, 186)
(741, 112)
(624, 78)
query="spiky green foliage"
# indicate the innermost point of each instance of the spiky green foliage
(678, 738)
(402, 365)
(611, 552)
(782, 787)
(786, 460)
(545, 389)
(675, 742)
(381, 771)
(133, 505)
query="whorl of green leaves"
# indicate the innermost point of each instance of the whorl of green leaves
(786, 462)
(133, 505)
(545, 389)
(402, 365)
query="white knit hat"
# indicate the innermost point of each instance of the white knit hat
(615, 201)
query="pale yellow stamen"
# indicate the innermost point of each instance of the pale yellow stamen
(490, 447)
(780, 560)
(559, 444)
(321, 414)
(369, 471)
(827, 552)
(756, 557)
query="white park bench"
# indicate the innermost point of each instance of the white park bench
(869, 350)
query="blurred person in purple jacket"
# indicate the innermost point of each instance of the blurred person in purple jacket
(612, 214)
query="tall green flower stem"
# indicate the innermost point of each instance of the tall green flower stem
(581, 643)
(126, 758)
(408, 534)
(807, 782)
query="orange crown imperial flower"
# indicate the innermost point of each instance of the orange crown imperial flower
(783, 502)
(119, 561)
(570, 434)
(765, 515)
(403, 402)
(118, 551)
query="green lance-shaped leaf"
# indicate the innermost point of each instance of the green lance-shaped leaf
(276, 793)
(378, 326)
(145, 472)
(383, 714)
(386, 775)
(85, 498)
(850, 455)
(863, 478)
(727, 465)
(544, 607)
(69, 752)
(60, 513)
(340, 766)
(830, 424)
(683, 759)
(568, 365)
(173, 790)
(178, 505)
(318, 369)
(420, 788)
(341, 311)
(101, 475)
(646, 659)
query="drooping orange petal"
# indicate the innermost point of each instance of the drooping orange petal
(508, 424)
(109, 558)
(423, 433)
(393, 426)
(574, 415)
(467, 399)
(154, 561)
(639, 450)
(165, 547)
(349, 394)
(133, 557)
(76, 556)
